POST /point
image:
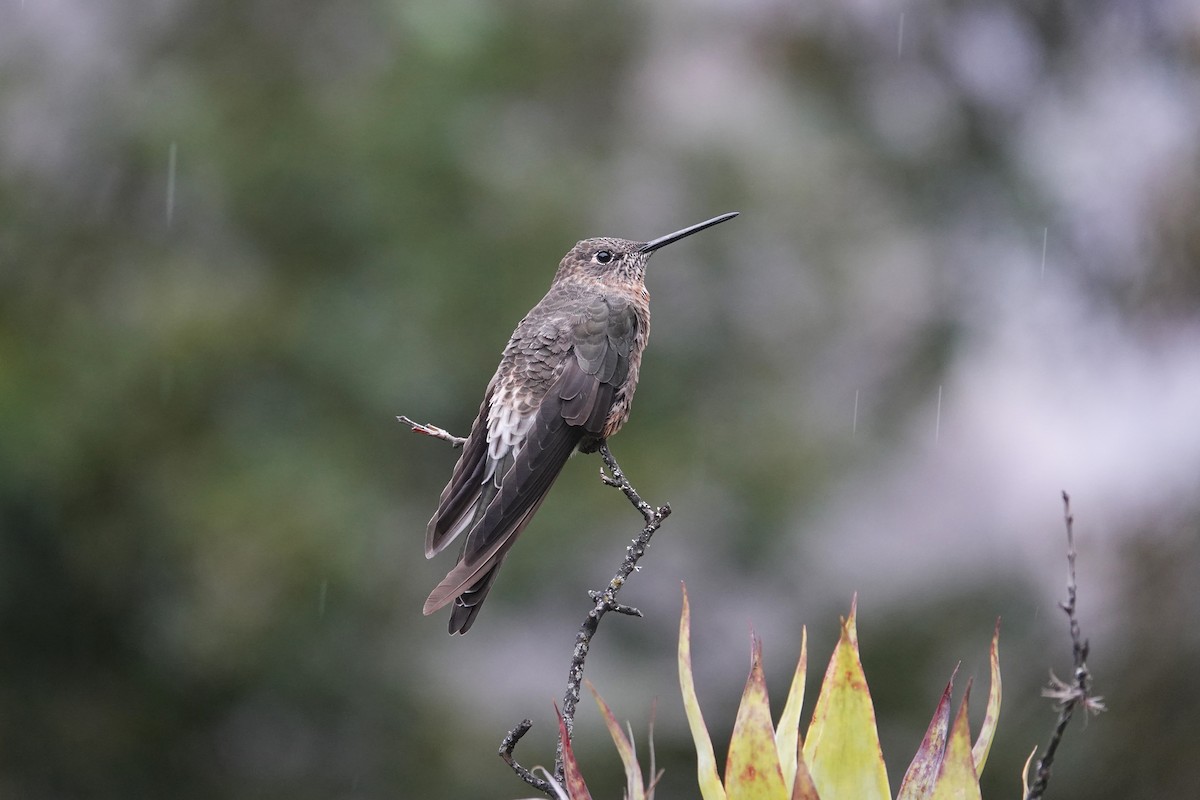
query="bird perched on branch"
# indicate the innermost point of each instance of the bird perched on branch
(565, 381)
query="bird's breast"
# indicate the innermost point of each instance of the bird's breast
(618, 415)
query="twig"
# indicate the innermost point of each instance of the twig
(603, 602)
(506, 753)
(1067, 695)
(606, 600)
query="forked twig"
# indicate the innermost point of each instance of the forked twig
(606, 600)
(1067, 695)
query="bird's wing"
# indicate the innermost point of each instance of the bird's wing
(575, 406)
(604, 334)
(455, 509)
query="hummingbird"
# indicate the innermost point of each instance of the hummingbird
(565, 382)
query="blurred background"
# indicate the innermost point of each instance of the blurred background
(238, 238)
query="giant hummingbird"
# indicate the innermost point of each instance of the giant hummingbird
(565, 381)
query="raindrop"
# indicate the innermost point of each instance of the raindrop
(937, 425)
(1045, 238)
(171, 157)
(854, 424)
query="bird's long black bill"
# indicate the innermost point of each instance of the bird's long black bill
(663, 241)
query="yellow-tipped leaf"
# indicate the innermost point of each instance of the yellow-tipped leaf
(633, 771)
(923, 771)
(787, 736)
(991, 719)
(842, 747)
(957, 779)
(752, 771)
(706, 763)
(803, 787)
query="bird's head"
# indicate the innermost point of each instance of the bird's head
(608, 260)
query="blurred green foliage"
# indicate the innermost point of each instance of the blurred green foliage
(238, 238)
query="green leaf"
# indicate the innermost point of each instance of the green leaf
(922, 772)
(842, 747)
(991, 719)
(787, 736)
(635, 790)
(803, 787)
(957, 779)
(752, 771)
(706, 762)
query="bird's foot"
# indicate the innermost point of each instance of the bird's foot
(433, 431)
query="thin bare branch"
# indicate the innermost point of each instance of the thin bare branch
(506, 753)
(1067, 695)
(606, 600)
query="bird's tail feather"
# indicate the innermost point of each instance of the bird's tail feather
(468, 604)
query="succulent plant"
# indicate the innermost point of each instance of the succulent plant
(838, 758)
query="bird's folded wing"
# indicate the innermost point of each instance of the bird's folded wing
(577, 405)
(456, 508)
(523, 488)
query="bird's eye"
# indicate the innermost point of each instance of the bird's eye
(603, 256)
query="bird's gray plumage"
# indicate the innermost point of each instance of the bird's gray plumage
(565, 381)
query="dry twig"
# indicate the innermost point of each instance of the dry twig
(1067, 695)
(606, 600)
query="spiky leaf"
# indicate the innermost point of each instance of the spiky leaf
(957, 779)
(991, 719)
(842, 747)
(803, 787)
(752, 771)
(922, 772)
(706, 762)
(633, 771)
(787, 736)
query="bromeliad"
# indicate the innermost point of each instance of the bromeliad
(840, 757)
